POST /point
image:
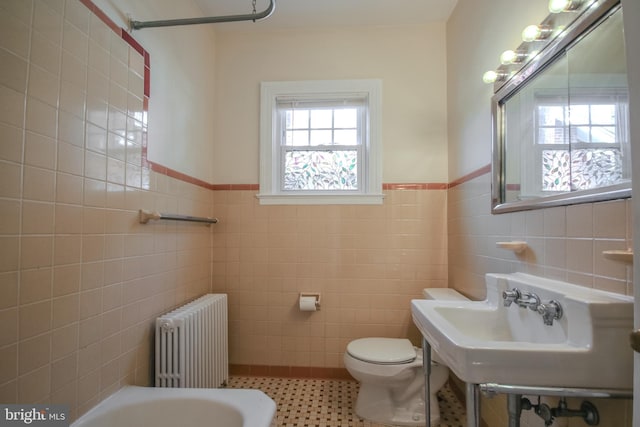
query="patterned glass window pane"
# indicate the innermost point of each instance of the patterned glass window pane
(321, 170)
(580, 170)
(556, 171)
(593, 168)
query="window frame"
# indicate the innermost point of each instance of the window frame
(610, 97)
(272, 154)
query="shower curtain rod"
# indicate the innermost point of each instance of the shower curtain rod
(137, 25)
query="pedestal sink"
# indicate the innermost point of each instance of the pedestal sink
(531, 335)
(490, 342)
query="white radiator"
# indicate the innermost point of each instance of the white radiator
(191, 344)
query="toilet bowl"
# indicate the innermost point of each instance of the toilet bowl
(392, 379)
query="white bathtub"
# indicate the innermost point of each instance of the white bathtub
(134, 406)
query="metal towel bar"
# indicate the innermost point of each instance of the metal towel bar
(145, 216)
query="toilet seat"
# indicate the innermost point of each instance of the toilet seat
(382, 351)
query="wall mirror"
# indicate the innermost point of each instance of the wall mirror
(560, 123)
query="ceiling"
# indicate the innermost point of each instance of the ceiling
(330, 13)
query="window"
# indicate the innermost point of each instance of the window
(582, 145)
(320, 142)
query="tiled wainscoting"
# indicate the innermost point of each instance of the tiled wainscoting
(367, 262)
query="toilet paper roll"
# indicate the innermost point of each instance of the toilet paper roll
(308, 304)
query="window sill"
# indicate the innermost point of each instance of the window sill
(320, 199)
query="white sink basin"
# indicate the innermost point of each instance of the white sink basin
(487, 342)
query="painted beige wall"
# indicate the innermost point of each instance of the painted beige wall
(182, 70)
(409, 60)
(478, 31)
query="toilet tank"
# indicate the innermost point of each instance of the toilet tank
(443, 294)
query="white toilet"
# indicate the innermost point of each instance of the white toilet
(391, 377)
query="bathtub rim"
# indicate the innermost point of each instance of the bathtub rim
(256, 407)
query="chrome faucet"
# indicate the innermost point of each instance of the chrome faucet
(550, 311)
(510, 296)
(528, 299)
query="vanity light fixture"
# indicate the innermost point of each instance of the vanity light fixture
(536, 32)
(557, 6)
(536, 38)
(512, 57)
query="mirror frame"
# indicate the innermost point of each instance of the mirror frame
(596, 12)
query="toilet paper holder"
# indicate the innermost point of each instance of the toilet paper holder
(315, 295)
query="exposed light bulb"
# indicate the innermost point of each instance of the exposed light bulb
(535, 32)
(530, 33)
(490, 77)
(557, 6)
(507, 57)
(511, 57)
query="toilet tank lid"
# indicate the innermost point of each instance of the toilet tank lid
(382, 350)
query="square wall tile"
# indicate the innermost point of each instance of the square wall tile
(70, 158)
(34, 353)
(47, 21)
(40, 151)
(34, 386)
(14, 32)
(34, 319)
(43, 85)
(39, 184)
(41, 118)
(37, 218)
(36, 252)
(610, 220)
(10, 214)
(11, 147)
(9, 114)
(580, 220)
(66, 279)
(45, 52)
(75, 42)
(77, 15)
(35, 285)
(13, 71)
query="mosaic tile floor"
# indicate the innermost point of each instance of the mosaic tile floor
(329, 403)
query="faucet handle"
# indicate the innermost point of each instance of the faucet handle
(510, 296)
(550, 311)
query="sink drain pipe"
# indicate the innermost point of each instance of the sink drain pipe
(516, 403)
(514, 408)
